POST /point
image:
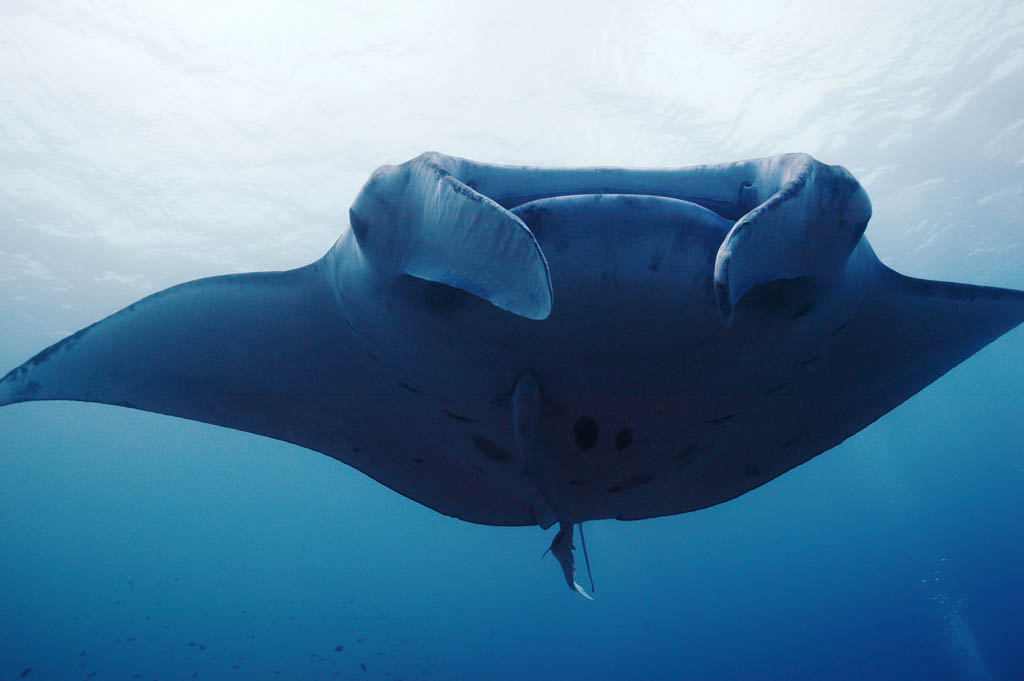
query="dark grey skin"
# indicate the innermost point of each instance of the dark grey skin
(520, 346)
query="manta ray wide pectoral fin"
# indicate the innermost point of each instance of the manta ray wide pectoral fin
(263, 352)
(809, 219)
(904, 335)
(921, 329)
(418, 218)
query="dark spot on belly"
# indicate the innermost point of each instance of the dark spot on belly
(458, 417)
(687, 454)
(492, 451)
(577, 483)
(801, 311)
(723, 419)
(417, 459)
(751, 470)
(635, 480)
(655, 264)
(403, 384)
(638, 479)
(811, 360)
(586, 432)
(624, 438)
(772, 391)
(840, 327)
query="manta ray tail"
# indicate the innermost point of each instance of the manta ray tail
(586, 559)
(561, 547)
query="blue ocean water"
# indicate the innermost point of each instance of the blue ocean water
(145, 146)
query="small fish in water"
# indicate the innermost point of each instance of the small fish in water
(338, 649)
(28, 670)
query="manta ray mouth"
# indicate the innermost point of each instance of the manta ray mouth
(727, 210)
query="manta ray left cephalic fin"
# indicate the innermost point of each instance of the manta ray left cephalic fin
(419, 218)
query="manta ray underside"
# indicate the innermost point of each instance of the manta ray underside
(527, 346)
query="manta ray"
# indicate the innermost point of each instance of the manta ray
(515, 345)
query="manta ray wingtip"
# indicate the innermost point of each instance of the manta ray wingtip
(9, 385)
